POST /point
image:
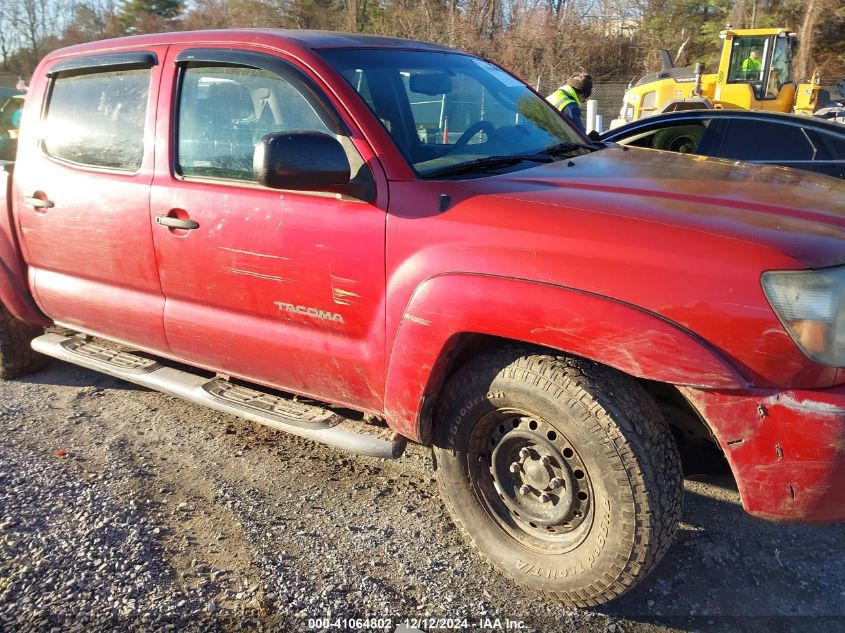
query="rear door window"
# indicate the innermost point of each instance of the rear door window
(766, 142)
(97, 119)
(776, 143)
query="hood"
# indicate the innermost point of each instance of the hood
(796, 213)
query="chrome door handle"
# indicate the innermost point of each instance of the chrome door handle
(38, 203)
(177, 223)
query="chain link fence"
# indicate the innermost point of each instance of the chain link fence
(833, 92)
(607, 93)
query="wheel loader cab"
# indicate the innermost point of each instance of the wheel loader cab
(755, 71)
(744, 79)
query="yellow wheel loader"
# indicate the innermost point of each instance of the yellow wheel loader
(755, 73)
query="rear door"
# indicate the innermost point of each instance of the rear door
(283, 288)
(82, 186)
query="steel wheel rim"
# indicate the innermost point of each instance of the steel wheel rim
(683, 144)
(531, 481)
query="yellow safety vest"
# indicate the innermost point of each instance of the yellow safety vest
(752, 65)
(563, 96)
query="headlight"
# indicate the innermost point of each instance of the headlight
(628, 112)
(810, 306)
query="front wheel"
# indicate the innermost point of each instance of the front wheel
(560, 471)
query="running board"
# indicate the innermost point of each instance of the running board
(276, 411)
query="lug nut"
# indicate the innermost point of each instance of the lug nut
(524, 490)
(545, 460)
(557, 482)
(515, 468)
(524, 453)
(545, 498)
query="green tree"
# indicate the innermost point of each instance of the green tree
(144, 16)
(687, 28)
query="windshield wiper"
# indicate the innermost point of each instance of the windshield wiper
(488, 162)
(568, 148)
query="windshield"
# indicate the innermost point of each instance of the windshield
(448, 110)
(749, 55)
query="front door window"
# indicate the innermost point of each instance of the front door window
(225, 111)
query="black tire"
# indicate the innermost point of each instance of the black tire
(17, 358)
(588, 437)
(683, 139)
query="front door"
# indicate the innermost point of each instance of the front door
(82, 191)
(282, 288)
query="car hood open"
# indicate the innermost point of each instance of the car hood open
(793, 212)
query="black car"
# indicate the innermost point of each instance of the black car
(762, 137)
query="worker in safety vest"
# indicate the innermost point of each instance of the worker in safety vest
(568, 97)
(752, 65)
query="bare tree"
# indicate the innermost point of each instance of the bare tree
(9, 36)
(682, 46)
(37, 20)
(209, 14)
(806, 37)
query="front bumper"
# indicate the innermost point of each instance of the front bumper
(786, 449)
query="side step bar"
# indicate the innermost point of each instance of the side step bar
(285, 414)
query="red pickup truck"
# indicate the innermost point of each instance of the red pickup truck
(263, 221)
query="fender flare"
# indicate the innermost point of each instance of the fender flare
(630, 339)
(14, 291)
(15, 295)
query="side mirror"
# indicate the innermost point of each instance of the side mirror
(300, 161)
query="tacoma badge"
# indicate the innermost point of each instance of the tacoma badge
(311, 312)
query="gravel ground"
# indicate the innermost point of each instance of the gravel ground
(122, 508)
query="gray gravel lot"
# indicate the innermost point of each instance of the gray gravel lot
(122, 508)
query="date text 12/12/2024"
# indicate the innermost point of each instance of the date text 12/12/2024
(412, 625)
